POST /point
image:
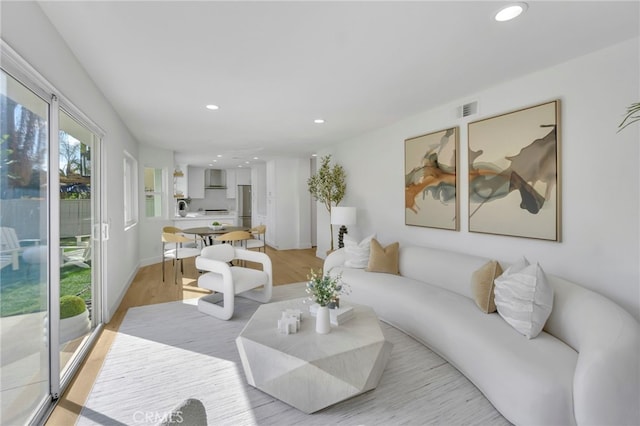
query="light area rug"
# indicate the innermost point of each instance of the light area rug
(166, 353)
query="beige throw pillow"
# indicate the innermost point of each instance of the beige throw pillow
(482, 286)
(384, 259)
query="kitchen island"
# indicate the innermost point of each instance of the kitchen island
(199, 219)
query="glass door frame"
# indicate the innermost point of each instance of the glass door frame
(16, 67)
(99, 236)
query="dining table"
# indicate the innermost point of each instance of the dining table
(207, 234)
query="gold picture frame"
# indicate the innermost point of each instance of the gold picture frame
(514, 173)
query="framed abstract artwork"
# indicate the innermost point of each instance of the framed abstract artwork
(514, 173)
(431, 180)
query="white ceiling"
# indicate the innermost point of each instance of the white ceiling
(274, 67)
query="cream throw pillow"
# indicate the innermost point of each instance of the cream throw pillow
(357, 253)
(384, 259)
(524, 298)
(482, 286)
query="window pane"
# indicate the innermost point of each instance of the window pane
(152, 179)
(130, 190)
(154, 191)
(153, 205)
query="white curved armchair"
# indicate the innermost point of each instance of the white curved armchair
(229, 280)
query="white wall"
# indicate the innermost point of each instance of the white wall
(150, 248)
(259, 189)
(27, 30)
(288, 204)
(599, 169)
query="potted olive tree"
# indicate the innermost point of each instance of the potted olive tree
(328, 186)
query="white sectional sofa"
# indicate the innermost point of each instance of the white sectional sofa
(583, 368)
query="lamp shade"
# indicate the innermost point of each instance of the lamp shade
(343, 215)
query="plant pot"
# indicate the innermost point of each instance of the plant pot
(73, 327)
(323, 324)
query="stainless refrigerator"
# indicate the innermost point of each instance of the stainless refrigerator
(244, 205)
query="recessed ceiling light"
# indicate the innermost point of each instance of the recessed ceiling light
(318, 121)
(212, 107)
(246, 162)
(255, 158)
(510, 12)
(314, 155)
(219, 155)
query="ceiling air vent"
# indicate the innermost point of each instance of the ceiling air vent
(469, 109)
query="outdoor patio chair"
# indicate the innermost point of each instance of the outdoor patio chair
(11, 247)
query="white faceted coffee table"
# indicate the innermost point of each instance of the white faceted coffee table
(312, 371)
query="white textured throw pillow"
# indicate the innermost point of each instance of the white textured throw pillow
(524, 298)
(357, 253)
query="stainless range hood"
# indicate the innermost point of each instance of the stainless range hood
(215, 179)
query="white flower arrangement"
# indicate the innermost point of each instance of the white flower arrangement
(324, 289)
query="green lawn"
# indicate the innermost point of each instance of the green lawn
(21, 292)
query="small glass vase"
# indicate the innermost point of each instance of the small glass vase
(323, 324)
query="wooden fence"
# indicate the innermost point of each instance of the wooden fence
(28, 217)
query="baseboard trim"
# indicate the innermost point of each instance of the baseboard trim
(111, 311)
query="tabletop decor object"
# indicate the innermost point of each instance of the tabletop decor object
(289, 321)
(323, 290)
(216, 226)
(183, 207)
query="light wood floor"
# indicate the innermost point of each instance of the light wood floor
(289, 266)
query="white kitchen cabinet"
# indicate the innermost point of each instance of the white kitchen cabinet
(191, 223)
(195, 177)
(231, 183)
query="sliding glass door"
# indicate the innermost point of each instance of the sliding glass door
(51, 240)
(79, 230)
(24, 277)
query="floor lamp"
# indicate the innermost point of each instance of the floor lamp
(343, 216)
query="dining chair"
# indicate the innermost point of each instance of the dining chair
(176, 254)
(231, 281)
(234, 237)
(197, 242)
(257, 240)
